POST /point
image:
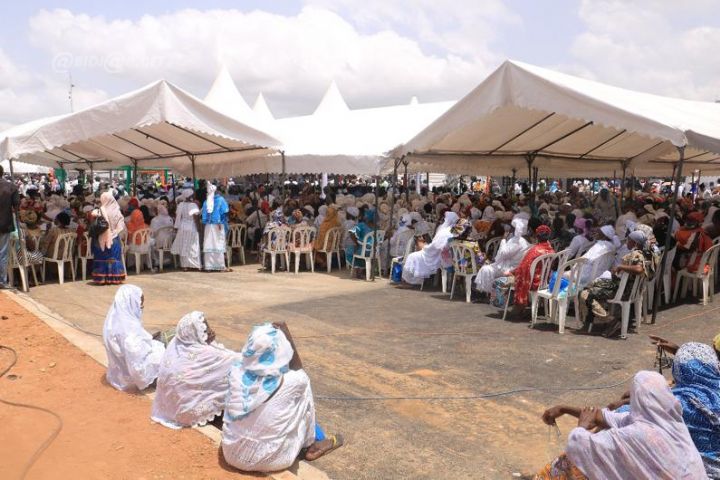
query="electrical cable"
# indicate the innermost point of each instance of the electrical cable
(39, 451)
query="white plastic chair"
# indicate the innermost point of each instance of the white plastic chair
(544, 263)
(409, 245)
(123, 235)
(62, 253)
(236, 241)
(463, 268)
(331, 246)
(164, 245)
(556, 302)
(139, 246)
(85, 255)
(563, 256)
(16, 261)
(708, 262)
(277, 240)
(301, 243)
(365, 253)
(491, 248)
(634, 299)
(651, 285)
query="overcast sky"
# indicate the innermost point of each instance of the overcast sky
(380, 52)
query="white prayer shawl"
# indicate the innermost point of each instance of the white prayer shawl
(133, 356)
(210, 200)
(192, 383)
(420, 265)
(651, 442)
(600, 257)
(509, 255)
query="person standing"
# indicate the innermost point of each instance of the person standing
(9, 204)
(215, 218)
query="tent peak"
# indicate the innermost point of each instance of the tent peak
(261, 109)
(332, 102)
(414, 100)
(225, 97)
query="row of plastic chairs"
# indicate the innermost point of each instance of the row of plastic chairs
(283, 242)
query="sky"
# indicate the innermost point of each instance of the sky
(379, 52)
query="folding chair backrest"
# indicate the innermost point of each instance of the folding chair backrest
(491, 247)
(542, 265)
(562, 256)
(278, 239)
(140, 237)
(460, 254)
(366, 246)
(331, 242)
(569, 270)
(234, 239)
(303, 236)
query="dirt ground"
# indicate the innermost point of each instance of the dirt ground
(105, 434)
(361, 340)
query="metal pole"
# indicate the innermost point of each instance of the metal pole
(282, 176)
(427, 180)
(407, 186)
(512, 182)
(375, 230)
(135, 178)
(12, 172)
(392, 207)
(673, 206)
(192, 163)
(173, 186)
(622, 187)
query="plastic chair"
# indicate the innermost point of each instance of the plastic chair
(635, 298)
(544, 263)
(15, 260)
(651, 285)
(331, 245)
(367, 253)
(163, 244)
(556, 302)
(85, 255)
(491, 248)
(139, 246)
(301, 243)
(562, 256)
(463, 268)
(123, 235)
(277, 240)
(409, 245)
(236, 241)
(704, 274)
(62, 254)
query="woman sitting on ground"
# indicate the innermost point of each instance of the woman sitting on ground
(594, 306)
(651, 442)
(520, 276)
(134, 355)
(269, 414)
(192, 383)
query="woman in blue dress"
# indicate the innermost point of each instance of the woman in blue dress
(108, 268)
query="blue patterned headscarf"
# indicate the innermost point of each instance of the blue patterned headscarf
(265, 358)
(696, 371)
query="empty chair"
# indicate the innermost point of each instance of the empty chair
(163, 239)
(63, 251)
(236, 241)
(556, 299)
(331, 245)
(139, 247)
(368, 254)
(276, 243)
(705, 275)
(84, 254)
(464, 266)
(301, 243)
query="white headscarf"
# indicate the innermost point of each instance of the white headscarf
(133, 356)
(443, 233)
(649, 442)
(265, 358)
(210, 200)
(192, 382)
(609, 232)
(116, 222)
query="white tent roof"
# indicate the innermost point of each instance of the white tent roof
(224, 97)
(159, 125)
(332, 102)
(261, 109)
(573, 125)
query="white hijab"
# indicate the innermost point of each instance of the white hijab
(210, 200)
(443, 233)
(649, 442)
(192, 382)
(133, 356)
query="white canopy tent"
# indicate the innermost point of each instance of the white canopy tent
(159, 125)
(524, 115)
(334, 139)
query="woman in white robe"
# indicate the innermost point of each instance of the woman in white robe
(509, 255)
(192, 383)
(270, 413)
(133, 355)
(422, 264)
(601, 256)
(187, 240)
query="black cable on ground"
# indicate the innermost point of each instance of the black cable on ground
(54, 434)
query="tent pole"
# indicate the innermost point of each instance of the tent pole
(192, 163)
(512, 183)
(282, 177)
(12, 171)
(392, 205)
(698, 182)
(375, 230)
(668, 234)
(173, 187)
(407, 185)
(427, 180)
(135, 175)
(622, 186)
(692, 184)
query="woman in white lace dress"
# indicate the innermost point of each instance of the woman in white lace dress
(133, 355)
(269, 415)
(192, 383)
(187, 239)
